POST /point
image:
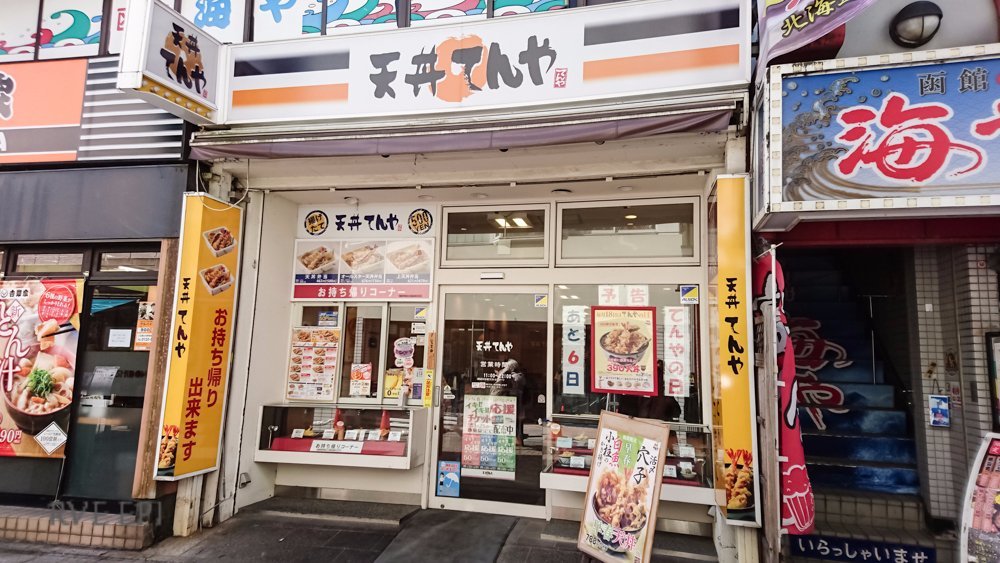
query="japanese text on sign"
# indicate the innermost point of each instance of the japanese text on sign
(849, 549)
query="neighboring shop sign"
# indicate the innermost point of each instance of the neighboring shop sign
(448, 478)
(39, 330)
(735, 470)
(980, 535)
(489, 425)
(144, 327)
(171, 63)
(364, 253)
(886, 140)
(829, 548)
(39, 123)
(939, 410)
(623, 490)
(676, 351)
(495, 63)
(200, 338)
(574, 349)
(798, 508)
(786, 25)
(312, 363)
(623, 350)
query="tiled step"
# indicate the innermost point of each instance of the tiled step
(868, 478)
(855, 395)
(68, 526)
(853, 449)
(881, 422)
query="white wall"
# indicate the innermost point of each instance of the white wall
(263, 319)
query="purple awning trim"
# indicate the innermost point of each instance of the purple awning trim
(290, 147)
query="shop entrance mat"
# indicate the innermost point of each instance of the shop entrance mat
(445, 535)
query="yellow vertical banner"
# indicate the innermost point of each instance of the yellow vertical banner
(201, 338)
(735, 412)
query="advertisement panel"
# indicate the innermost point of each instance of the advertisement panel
(39, 331)
(489, 425)
(201, 338)
(623, 490)
(312, 363)
(919, 134)
(734, 395)
(623, 350)
(980, 537)
(39, 123)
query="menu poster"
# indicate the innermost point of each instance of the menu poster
(981, 510)
(623, 489)
(489, 424)
(39, 324)
(312, 362)
(144, 327)
(361, 380)
(363, 269)
(623, 350)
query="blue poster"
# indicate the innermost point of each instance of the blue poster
(448, 476)
(892, 132)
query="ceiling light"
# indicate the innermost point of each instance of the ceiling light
(916, 24)
(520, 222)
(351, 200)
(488, 299)
(625, 188)
(425, 197)
(479, 195)
(563, 287)
(574, 296)
(464, 228)
(128, 269)
(631, 216)
(503, 222)
(562, 191)
(629, 224)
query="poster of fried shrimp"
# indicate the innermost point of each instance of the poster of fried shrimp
(39, 331)
(623, 350)
(619, 513)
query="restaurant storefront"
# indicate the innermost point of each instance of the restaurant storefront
(442, 258)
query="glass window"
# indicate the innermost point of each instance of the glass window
(515, 235)
(677, 360)
(75, 27)
(45, 263)
(634, 233)
(20, 24)
(129, 261)
(361, 351)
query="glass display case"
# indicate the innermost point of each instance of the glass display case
(345, 435)
(569, 446)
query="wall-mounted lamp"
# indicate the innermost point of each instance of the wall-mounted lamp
(916, 24)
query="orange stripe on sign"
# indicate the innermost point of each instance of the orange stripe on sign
(290, 95)
(42, 157)
(662, 62)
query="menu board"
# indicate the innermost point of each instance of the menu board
(351, 269)
(623, 350)
(623, 490)
(981, 510)
(489, 424)
(312, 363)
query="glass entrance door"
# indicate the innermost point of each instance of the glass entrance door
(488, 440)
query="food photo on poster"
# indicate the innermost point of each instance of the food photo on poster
(622, 496)
(624, 350)
(39, 331)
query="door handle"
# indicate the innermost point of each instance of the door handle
(437, 395)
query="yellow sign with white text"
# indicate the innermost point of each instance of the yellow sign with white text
(734, 399)
(201, 338)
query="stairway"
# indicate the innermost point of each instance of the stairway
(856, 431)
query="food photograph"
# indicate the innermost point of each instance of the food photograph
(364, 258)
(217, 278)
(220, 241)
(317, 260)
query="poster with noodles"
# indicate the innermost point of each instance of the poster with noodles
(39, 331)
(623, 491)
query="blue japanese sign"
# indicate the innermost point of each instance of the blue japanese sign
(849, 549)
(449, 475)
(928, 130)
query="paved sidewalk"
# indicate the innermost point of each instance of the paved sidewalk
(385, 535)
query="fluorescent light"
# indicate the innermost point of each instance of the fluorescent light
(128, 269)
(520, 222)
(563, 287)
(502, 221)
(630, 217)
(574, 296)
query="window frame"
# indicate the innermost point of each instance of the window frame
(693, 260)
(95, 265)
(544, 262)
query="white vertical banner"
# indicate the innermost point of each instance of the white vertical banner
(610, 295)
(676, 351)
(574, 348)
(636, 296)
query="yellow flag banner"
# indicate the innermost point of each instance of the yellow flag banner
(201, 338)
(735, 396)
